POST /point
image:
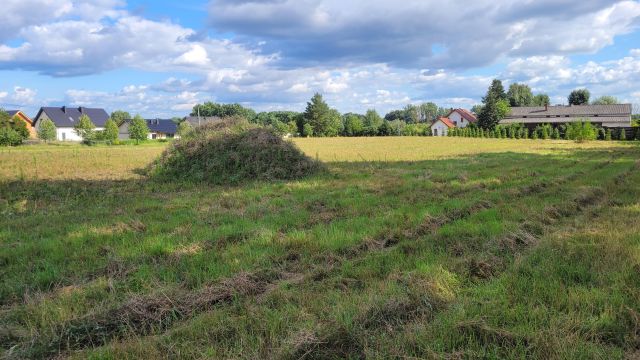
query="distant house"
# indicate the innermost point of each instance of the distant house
(610, 116)
(158, 129)
(461, 118)
(65, 118)
(441, 126)
(28, 120)
(201, 120)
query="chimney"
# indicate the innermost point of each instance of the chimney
(81, 109)
(64, 109)
(546, 107)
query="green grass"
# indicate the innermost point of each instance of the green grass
(490, 249)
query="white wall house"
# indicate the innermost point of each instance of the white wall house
(441, 127)
(461, 118)
(65, 118)
(158, 129)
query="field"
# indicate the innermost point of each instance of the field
(405, 248)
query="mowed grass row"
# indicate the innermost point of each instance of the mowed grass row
(374, 260)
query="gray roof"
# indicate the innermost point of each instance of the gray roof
(618, 113)
(195, 121)
(12, 113)
(68, 116)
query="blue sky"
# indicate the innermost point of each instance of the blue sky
(159, 58)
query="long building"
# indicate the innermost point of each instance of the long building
(609, 116)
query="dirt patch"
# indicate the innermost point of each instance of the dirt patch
(485, 334)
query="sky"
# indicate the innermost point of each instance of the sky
(159, 58)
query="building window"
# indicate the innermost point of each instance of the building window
(455, 123)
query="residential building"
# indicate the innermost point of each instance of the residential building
(27, 120)
(65, 118)
(441, 126)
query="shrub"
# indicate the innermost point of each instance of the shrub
(85, 128)
(185, 129)
(111, 131)
(47, 130)
(534, 134)
(12, 131)
(581, 131)
(607, 135)
(555, 134)
(623, 134)
(233, 151)
(138, 129)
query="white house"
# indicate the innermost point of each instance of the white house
(65, 118)
(441, 127)
(461, 118)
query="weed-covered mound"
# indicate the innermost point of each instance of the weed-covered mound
(233, 151)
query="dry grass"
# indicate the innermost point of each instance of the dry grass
(432, 148)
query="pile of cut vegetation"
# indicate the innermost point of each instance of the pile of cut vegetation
(232, 151)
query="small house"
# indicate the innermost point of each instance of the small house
(26, 119)
(441, 126)
(66, 118)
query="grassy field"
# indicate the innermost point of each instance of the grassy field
(406, 248)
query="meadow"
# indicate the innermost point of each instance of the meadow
(405, 248)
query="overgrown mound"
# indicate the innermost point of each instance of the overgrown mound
(233, 151)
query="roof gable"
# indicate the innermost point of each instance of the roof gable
(466, 114)
(19, 113)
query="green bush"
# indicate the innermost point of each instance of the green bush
(233, 151)
(607, 135)
(581, 131)
(623, 134)
(555, 134)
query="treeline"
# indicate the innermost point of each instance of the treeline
(320, 120)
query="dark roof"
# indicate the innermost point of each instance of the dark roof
(618, 113)
(68, 116)
(12, 113)
(166, 126)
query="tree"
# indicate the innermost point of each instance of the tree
(394, 115)
(411, 114)
(184, 129)
(581, 131)
(307, 130)
(110, 132)
(520, 95)
(495, 108)
(428, 112)
(541, 100)
(497, 90)
(223, 110)
(138, 129)
(605, 100)
(85, 128)
(119, 116)
(623, 134)
(323, 120)
(47, 130)
(477, 109)
(12, 132)
(555, 134)
(371, 122)
(607, 135)
(353, 125)
(579, 97)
